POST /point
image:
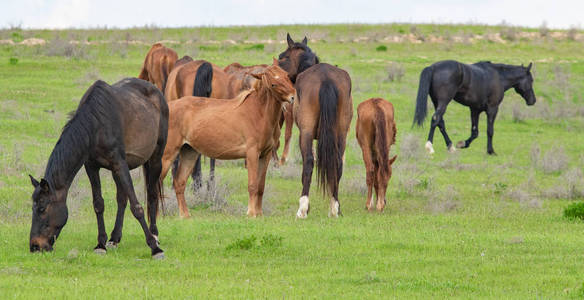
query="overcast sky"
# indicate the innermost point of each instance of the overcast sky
(174, 13)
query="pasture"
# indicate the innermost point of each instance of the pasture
(459, 225)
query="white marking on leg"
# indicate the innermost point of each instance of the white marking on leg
(303, 207)
(99, 251)
(429, 147)
(111, 245)
(158, 256)
(334, 212)
(452, 149)
(370, 204)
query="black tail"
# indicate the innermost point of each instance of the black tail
(422, 100)
(164, 72)
(203, 81)
(328, 162)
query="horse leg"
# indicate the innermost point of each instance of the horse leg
(211, 180)
(289, 119)
(197, 175)
(370, 174)
(474, 131)
(252, 158)
(436, 119)
(188, 158)
(116, 235)
(381, 190)
(152, 169)
(263, 164)
(335, 205)
(121, 175)
(307, 166)
(447, 140)
(491, 115)
(98, 206)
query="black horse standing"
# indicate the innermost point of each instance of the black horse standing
(118, 127)
(480, 86)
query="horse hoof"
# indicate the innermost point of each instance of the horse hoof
(99, 251)
(334, 209)
(461, 144)
(303, 207)
(452, 149)
(429, 147)
(158, 256)
(111, 245)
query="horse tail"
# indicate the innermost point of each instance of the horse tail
(422, 100)
(203, 81)
(328, 152)
(164, 71)
(381, 146)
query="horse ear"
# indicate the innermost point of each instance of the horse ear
(305, 41)
(289, 39)
(392, 159)
(257, 75)
(44, 185)
(529, 67)
(34, 182)
(274, 62)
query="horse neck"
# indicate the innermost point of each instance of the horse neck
(509, 75)
(67, 157)
(269, 105)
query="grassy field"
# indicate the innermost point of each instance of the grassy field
(463, 225)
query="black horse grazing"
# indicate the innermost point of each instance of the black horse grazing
(118, 127)
(323, 112)
(480, 86)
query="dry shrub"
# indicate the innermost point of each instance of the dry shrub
(356, 184)
(572, 33)
(409, 147)
(443, 200)
(552, 161)
(60, 47)
(518, 113)
(544, 31)
(452, 161)
(570, 186)
(290, 170)
(88, 78)
(410, 178)
(395, 72)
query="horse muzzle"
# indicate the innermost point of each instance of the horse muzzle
(38, 244)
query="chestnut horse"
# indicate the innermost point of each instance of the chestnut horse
(323, 112)
(242, 127)
(158, 63)
(119, 128)
(202, 79)
(375, 132)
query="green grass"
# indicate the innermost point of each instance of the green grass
(464, 225)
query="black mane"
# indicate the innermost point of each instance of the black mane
(94, 108)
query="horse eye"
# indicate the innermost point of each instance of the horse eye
(273, 85)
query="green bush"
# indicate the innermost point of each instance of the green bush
(574, 211)
(245, 243)
(257, 47)
(13, 60)
(271, 240)
(381, 48)
(17, 37)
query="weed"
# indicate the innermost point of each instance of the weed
(271, 241)
(245, 243)
(13, 60)
(395, 72)
(574, 211)
(256, 47)
(381, 48)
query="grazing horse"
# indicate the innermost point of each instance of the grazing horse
(201, 79)
(119, 128)
(242, 127)
(158, 63)
(480, 86)
(323, 112)
(183, 60)
(376, 133)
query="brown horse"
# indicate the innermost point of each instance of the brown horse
(376, 133)
(323, 112)
(240, 80)
(242, 127)
(183, 60)
(158, 63)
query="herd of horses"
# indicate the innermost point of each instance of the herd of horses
(179, 109)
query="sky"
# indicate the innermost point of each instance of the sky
(52, 14)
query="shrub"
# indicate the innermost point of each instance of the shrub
(271, 240)
(245, 243)
(256, 47)
(17, 37)
(552, 161)
(574, 211)
(13, 60)
(381, 48)
(395, 72)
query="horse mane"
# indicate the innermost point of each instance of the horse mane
(94, 107)
(307, 58)
(243, 95)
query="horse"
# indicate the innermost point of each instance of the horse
(323, 112)
(480, 86)
(240, 80)
(117, 127)
(202, 79)
(183, 60)
(242, 127)
(375, 132)
(158, 63)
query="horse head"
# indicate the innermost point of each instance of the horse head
(276, 81)
(524, 86)
(297, 58)
(49, 215)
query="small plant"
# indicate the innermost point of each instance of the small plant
(574, 211)
(500, 187)
(256, 47)
(381, 48)
(271, 241)
(13, 60)
(245, 243)
(17, 37)
(395, 72)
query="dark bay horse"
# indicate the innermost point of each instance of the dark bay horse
(119, 128)
(242, 127)
(375, 131)
(323, 112)
(480, 86)
(157, 65)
